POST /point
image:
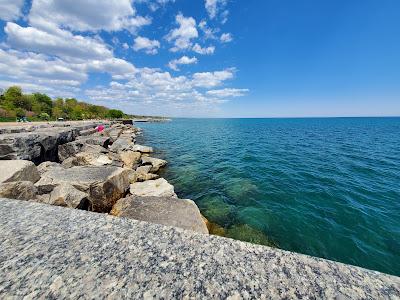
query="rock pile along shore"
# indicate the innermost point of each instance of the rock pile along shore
(73, 165)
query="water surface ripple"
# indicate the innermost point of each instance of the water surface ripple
(323, 187)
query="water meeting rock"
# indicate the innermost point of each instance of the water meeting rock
(167, 211)
(18, 170)
(156, 163)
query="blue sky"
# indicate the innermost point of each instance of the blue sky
(208, 58)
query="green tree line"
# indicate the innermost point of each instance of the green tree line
(15, 104)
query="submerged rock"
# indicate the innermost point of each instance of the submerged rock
(66, 195)
(153, 188)
(167, 211)
(246, 233)
(21, 190)
(156, 163)
(18, 170)
(104, 185)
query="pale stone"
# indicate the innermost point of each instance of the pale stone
(66, 195)
(167, 211)
(156, 163)
(153, 188)
(18, 170)
(130, 158)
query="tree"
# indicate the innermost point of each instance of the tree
(44, 116)
(115, 114)
(44, 102)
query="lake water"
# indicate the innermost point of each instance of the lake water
(324, 187)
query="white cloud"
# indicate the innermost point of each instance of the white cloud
(183, 35)
(208, 32)
(86, 15)
(203, 51)
(214, 7)
(212, 79)
(61, 43)
(184, 60)
(226, 38)
(226, 93)
(125, 46)
(149, 46)
(10, 9)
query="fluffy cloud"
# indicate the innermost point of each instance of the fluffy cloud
(60, 43)
(86, 15)
(184, 60)
(212, 79)
(149, 46)
(214, 7)
(183, 35)
(203, 51)
(10, 10)
(226, 38)
(226, 93)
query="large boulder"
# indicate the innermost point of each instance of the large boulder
(37, 146)
(167, 211)
(153, 188)
(103, 141)
(73, 148)
(130, 158)
(86, 159)
(21, 190)
(104, 185)
(18, 170)
(156, 163)
(46, 166)
(142, 149)
(121, 144)
(67, 195)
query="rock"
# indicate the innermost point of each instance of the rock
(18, 170)
(153, 188)
(130, 158)
(68, 196)
(73, 148)
(143, 174)
(121, 144)
(105, 184)
(156, 163)
(46, 166)
(142, 149)
(37, 146)
(21, 190)
(167, 211)
(99, 140)
(86, 159)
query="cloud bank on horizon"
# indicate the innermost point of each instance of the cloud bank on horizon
(92, 51)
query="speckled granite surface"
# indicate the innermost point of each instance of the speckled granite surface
(52, 252)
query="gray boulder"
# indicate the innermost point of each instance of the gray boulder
(153, 188)
(66, 195)
(87, 159)
(121, 144)
(104, 185)
(162, 210)
(18, 170)
(21, 190)
(46, 166)
(142, 149)
(38, 146)
(73, 148)
(156, 163)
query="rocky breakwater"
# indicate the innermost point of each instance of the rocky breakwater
(103, 172)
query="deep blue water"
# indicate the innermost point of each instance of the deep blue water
(323, 187)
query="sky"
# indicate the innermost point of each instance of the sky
(208, 58)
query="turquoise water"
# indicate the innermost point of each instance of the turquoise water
(323, 187)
